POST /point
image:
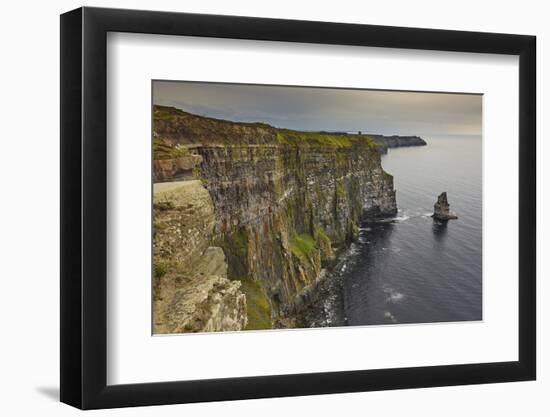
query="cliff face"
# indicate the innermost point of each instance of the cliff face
(191, 288)
(284, 202)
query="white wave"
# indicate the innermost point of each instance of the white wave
(401, 218)
(389, 316)
(393, 296)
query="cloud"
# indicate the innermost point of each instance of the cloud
(310, 108)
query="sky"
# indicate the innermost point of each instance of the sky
(330, 109)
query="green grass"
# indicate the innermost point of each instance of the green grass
(200, 129)
(258, 309)
(340, 190)
(372, 144)
(321, 237)
(167, 112)
(339, 141)
(302, 246)
(294, 137)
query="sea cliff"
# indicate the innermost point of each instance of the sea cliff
(395, 141)
(267, 212)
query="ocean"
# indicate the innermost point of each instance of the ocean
(411, 269)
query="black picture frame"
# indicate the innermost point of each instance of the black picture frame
(84, 207)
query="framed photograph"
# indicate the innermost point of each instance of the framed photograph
(256, 208)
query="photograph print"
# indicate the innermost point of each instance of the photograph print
(294, 207)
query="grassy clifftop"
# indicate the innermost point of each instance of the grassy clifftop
(173, 127)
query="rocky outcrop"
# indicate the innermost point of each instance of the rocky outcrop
(175, 169)
(285, 202)
(191, 291)
(442, 210)
(395, 141)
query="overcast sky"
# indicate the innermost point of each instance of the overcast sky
(305, 108)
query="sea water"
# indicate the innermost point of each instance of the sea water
(411, 269)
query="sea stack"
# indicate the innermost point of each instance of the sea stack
(441, 209)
